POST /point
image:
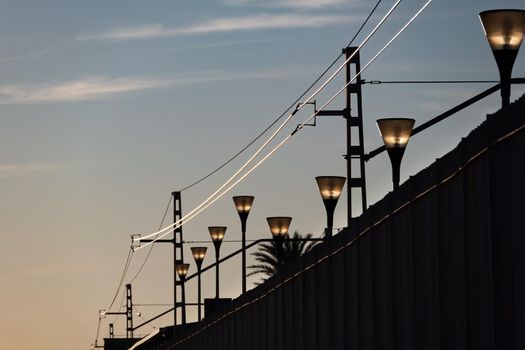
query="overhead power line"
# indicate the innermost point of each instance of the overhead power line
(130, 254)
(125, 270)
(217, 194)
(151, 248)
(293, 104)
(212, 198)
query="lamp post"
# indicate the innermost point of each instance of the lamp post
(217, 234)
(198, 254)
(330, 188)
(182, 271)
(504, 30)
(395, 133)
(279, 226)
(243, 204)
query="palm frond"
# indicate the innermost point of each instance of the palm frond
(267, 255)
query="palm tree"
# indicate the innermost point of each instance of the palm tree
(267, 256)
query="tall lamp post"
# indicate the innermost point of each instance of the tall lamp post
(198, 254)
(504, 30)
(279, 226)
(330, 188)
(395, 133)
(243, 204)
(182, 271)
(217, 235)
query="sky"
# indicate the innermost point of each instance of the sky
(106, 107)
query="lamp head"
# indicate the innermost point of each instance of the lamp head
(198, 254)
(182, 270)
(217, 234)
(395, 131)
(279, 225)
(243, 204)
(504, 28)
(330, 187)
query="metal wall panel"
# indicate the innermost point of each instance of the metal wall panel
(438, 264)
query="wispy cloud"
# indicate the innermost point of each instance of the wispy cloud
(258, 22)
(103, 87)
(226, 43)
(26, 169)
(76, 90)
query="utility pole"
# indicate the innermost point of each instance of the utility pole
(354, 148)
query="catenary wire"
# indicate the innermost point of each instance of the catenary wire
(329, 101)
(212, 199)
(251, 143)
(120, 307)
(138, 272)
(205, 203)
(124, 272)
(98, 329)
(286, 110)
(313, 115)
(299, 127)
(151, 248)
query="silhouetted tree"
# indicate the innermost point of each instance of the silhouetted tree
(267, 254)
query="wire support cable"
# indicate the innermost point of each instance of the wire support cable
(216, 195)
(123, 276)
(139, 315)
(98, 330)
(124, 272)
(380, 82)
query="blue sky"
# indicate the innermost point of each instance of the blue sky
(108, 106)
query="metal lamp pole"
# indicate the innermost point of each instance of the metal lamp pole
(198, 254)
(243, 204)
(217, 235)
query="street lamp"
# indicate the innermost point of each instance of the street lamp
(243, 204)
(182, 271)
(279, 226)
(198, 254)
(330, 188)
(217, 234)
(504, 30)
(396, 133)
